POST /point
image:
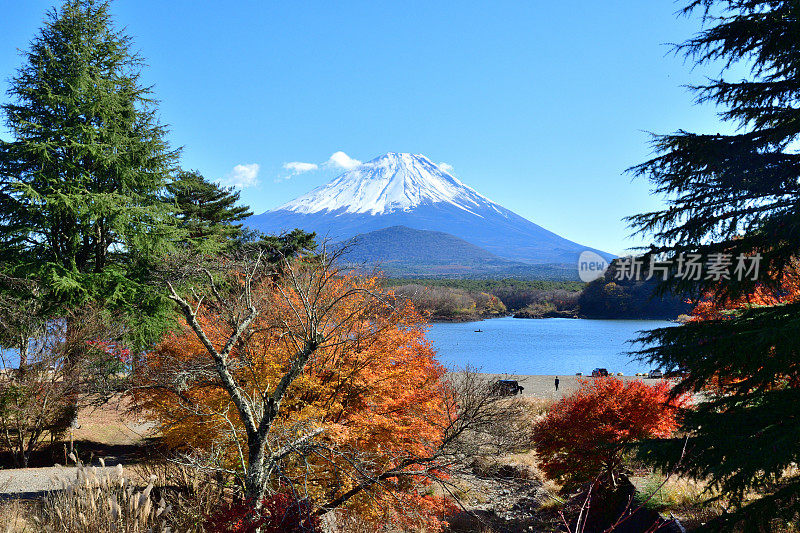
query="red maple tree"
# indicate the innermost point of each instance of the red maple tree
(583, 436)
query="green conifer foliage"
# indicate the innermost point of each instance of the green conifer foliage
(737, 194)
(207, 212)
(82, 206)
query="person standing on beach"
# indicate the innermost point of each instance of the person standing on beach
(556, 383)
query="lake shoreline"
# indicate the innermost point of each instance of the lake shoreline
(542, 386)
(465, 319)
(675, 320)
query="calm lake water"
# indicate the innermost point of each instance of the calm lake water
(541, 346)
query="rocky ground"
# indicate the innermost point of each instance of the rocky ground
(504, 495)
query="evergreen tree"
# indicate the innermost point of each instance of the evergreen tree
(612, 297)
(277, 247)
(207, 212)
(82, 209)
(737, 194)
(211, 220)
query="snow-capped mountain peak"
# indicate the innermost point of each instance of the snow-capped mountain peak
(410, 191)
(389, 183)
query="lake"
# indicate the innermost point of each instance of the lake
(541, 346)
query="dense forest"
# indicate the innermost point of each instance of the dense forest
(610, 297)
(462, 299)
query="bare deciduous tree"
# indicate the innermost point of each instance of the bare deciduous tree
(42, 384)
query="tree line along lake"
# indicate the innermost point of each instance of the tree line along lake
(541, 346)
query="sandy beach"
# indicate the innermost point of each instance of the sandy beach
(543, 387)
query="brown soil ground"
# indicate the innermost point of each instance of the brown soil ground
(110, 424)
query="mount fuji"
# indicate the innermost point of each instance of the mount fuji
(409, 190)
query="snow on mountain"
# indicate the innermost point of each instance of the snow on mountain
(400, 189)
(391, 182)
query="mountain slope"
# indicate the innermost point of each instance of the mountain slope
(401, 244)
(399, 189)
(400, 251)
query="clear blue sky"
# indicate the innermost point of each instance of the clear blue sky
(538, 105)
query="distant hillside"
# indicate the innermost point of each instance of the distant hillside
(400, 251)
(473, 299)
(608, 297)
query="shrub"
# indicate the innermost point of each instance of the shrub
(32, 406)
(60, 368)
(584, 435)
(279, 513)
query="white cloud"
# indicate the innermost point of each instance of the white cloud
(342, 160)
(242, 176)
(337, 160)
(447, 167)
(297, 167)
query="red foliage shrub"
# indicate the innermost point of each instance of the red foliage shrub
(280, 513)
(583, 435)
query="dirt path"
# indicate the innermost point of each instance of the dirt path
(22, 482)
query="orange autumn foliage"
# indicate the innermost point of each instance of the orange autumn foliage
(377, 395)
(787, 290)
(584, 434)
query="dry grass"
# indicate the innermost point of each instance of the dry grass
(17, 517)
(686, 499)
(538, 407)
(106, 502)
(194, 494)
(676, 492)
(530, 462)
(97, 501)
(693, 502)
(153, 497)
